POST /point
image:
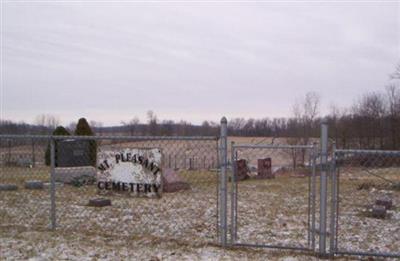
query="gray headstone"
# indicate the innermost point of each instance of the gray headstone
(378, 211)
(24, 162)
(8, 187)
(99, 202)
(73, 153)
(47, 185)
(34, 184)
(386, 202)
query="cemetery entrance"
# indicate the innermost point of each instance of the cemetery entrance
(273, 196)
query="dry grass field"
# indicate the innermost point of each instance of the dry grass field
(269, 211)
(177, 153)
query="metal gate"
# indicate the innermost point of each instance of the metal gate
(273, 196)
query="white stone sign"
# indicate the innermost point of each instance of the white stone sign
(136, 171)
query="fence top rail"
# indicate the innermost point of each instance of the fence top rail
(360, 151)
(109, 137)
(272, 146)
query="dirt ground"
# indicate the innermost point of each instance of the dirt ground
(19, 244)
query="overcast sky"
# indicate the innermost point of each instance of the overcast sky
(111, 61)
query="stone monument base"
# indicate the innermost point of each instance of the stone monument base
(68, 174)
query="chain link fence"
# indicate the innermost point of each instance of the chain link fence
(311, 198)
(366, 203)
(186, 211)
(22, 160)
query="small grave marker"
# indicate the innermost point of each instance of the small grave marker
(99, 202)
(34, 184)
(264, 170)
(8, 187)
(386, 202)
(378, 211)
(242, 170)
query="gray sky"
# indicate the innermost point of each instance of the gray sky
(110, 61)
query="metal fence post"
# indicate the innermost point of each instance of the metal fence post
(33, 153)
(52, 185)
(9, 151)
(323, 189)
(223, 183)
(233, 182)
(312, 191)
(175, 162)
(333, 202)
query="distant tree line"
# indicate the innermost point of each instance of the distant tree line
(372, 122)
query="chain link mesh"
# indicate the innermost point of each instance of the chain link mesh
(21, 161)
(188, 215)
(368, 209)
(277, 209)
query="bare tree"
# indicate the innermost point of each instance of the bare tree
(236, 125)
(305, 112)
(152, 121)
(183, 128)
(47, 120)
(339, 118)
(368, 114)
(396, 73)
(206, 128)
(393, 98)
(97, 127)
(167, 127)
(72, 126)
(132, 125)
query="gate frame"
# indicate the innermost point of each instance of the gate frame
(311, 195)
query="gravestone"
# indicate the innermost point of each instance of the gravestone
(172, 182)
(264, 170)
(378, 211)
(34, 184)
(242, 170)
(73, 161)
(99, 202)
(47, 185)
(8, 187)
(73, 153)
(386, 202)
(24, 162)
